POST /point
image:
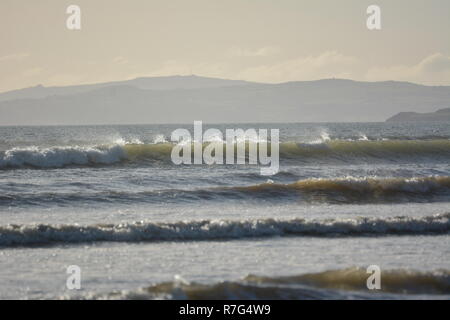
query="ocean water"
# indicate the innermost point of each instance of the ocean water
(109, 200)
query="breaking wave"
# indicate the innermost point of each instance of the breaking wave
(28, 235)
(328, 150)
(57, 157)
(333, 284)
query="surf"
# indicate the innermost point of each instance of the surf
(201, 230)
(328, 151)
(329, 284)
(57, 157)
(371, 186)
(341, 190)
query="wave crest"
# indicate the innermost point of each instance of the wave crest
(25, 235)
(313, 190)
(394, 281)
(356, 186)
(56, 157)
(331, 284)
(328, 150)
(383, 149)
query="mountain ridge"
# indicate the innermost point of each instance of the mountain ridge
(148, 83)
(190, 98)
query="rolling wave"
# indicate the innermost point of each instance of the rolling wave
(330, 150)
(57, 157)
(393, 281)
(346, 190)
(384, 149)
(331, 284)
(351, 189)
(30, 235)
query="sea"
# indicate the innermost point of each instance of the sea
(110, 201)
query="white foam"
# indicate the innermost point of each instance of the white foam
(13, 235)
(159, 139)
(56, 157)
(363, 137)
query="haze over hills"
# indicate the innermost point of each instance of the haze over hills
(183, 99)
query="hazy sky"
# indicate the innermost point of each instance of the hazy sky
(257, 40)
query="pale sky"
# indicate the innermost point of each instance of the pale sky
(255, 40)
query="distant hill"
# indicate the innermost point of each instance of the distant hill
(442, 115)
(149, 83)
(181, 99)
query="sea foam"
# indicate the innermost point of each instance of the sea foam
(56, 157)
(26, 235)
